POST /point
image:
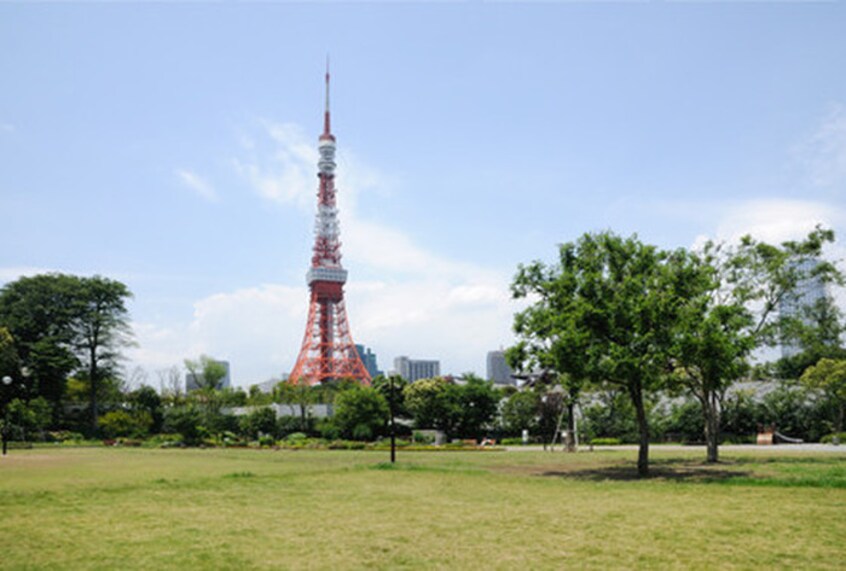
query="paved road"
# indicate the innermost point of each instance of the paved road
(841, 449)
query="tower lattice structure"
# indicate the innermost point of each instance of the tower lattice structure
(328, 351)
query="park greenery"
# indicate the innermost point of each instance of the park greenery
(129, 508)
(620, 342)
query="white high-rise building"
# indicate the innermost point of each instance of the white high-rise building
(809, 292)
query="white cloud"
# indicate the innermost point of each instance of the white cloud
(281, 166)
(775, 220)
(197, 184)
(7, 128)
(425, 305)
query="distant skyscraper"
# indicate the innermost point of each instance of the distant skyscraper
(498, 369)
(192, 384)
(809, 292)
(368, 357)
(416, 369)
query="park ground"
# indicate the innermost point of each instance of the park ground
(125, 508)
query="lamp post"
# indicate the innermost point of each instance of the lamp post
(393, 430)
(7, 380)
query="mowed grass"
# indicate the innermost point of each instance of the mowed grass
(101, 508)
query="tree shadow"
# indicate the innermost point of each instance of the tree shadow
(659, 470)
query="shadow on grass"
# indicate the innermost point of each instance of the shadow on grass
(665, 471)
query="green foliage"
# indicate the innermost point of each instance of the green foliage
(135, 424)
(611, 415)
(206, 372)
(829, 377)
(61, 323)
(521, 412)
(606, 441)
(187, 422)
(257, 422)
(28, 419)
(685, 423)
(794, 413)
(392, 389)
(478, 403)
(361, 413)
(432, 404)
(146, 399)
(605, 312)
(830, 438)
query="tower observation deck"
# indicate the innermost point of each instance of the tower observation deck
(328, 351)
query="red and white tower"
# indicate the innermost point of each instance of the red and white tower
(328, 351)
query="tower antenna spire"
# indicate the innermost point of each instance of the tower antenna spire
(327, 130)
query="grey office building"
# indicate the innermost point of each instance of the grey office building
(416, 369)
(498, 370)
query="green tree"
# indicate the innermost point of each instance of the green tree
(361, 413)
(146, 399)
(101, 328)
(298, 392)
(520, 412)
(433, 403)
(259, 421)
(477, 403)
(206, 372)
(829, 377)
(605, 312)
(38, 311)
(732, 308)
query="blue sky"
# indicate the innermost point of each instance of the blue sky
(173, 146)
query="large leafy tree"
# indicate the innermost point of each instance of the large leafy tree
(61, 323)
(605, 312)
(39, 312)
(733, 309)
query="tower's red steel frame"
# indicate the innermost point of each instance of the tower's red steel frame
(328, 351)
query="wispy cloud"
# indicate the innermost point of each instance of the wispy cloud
(424, 304)
(7, 128)
(823, 153)
(197, 184)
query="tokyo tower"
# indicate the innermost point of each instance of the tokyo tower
(328, 351)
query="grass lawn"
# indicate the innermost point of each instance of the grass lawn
(98, 508)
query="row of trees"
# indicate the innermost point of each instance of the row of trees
(615, 312)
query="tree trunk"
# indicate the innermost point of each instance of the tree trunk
(840, 413)
(643, 426)
(571, 428)
(711, 411)
(92, 374)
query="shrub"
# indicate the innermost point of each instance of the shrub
(605, 441)
(63, 436)
(297, 437)
(829, 438)
(122, 423)
(259, 421)
(422, 438)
